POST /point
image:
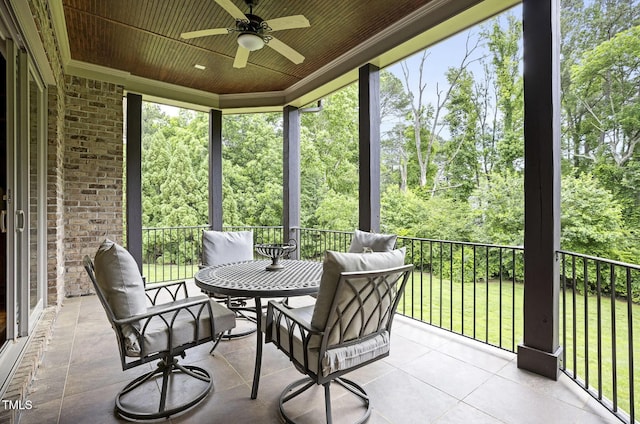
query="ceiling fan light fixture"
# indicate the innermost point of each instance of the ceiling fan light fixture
(250, 41)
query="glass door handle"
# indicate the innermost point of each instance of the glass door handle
(20, 222)
(3, 224)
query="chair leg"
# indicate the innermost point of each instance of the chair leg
(166, 371)
(166, 368)
(241, 313)
(216, 342)
(327, 402)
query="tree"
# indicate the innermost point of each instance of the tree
(394, 107)
(395, 147)
(252, 169)
(504, 48)
(177, 147)
(584, 27)
(607, 81)
(425, 116)
(394, 100)
(460, 168)
(329, 155)
(498, 209)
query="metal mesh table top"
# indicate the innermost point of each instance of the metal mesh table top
(251, 278)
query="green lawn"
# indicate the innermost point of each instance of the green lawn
(614, 319)
(493, 313)
(156, 273)
(463, 308)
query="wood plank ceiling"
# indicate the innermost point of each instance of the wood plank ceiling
(141, 38)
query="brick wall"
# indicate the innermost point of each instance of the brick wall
(55, 197)
(93, 167)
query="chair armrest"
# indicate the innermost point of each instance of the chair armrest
(178, 305)
(286, 318)
(171, 288)
(278, 312)
(169, 317)
(289, 312)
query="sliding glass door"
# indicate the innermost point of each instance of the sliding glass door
(24, 195)
(35, 162)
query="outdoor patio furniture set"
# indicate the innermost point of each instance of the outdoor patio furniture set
(348, 325)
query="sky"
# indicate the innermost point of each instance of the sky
(441, 56)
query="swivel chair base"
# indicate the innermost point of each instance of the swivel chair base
(166, 369)
(300, 386)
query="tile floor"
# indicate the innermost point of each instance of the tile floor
(431, 376)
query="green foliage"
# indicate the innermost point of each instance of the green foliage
(462, 118)
(591, 217)
(503, 44)
(498, 207)
(338, 212)
(607, 80)
(252, 169)
(329, 162)
(441, 218)
(174, 180)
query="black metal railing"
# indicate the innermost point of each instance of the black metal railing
(476, 290)
(174, 253)
(313, 242)
(598, 317)
(470, 289)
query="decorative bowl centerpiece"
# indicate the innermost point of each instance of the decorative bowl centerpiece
(275, 252)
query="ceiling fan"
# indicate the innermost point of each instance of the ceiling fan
(254, 32)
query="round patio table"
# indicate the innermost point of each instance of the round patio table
(251, 279)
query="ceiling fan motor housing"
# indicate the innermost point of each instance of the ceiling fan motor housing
(253, 23)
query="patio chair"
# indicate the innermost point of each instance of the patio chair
(364, 241)
(162, 332)
(223, 247)
(348, 327)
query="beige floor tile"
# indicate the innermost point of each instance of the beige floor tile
(465, 414)
(515, 403)
(479, 354)
(401, 398)
(41, 412)
(430, 376)
(448, 374)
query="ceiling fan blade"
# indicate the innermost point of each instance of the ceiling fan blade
(231, 8)
(286, 51)
(288, 22)
(204, 33)
(242, 55)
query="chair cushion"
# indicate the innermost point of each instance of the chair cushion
(121, 284)
(223, 247)
(363, 241)
(336, 359)
(160, 334)
(335, 263)
(345, 357)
